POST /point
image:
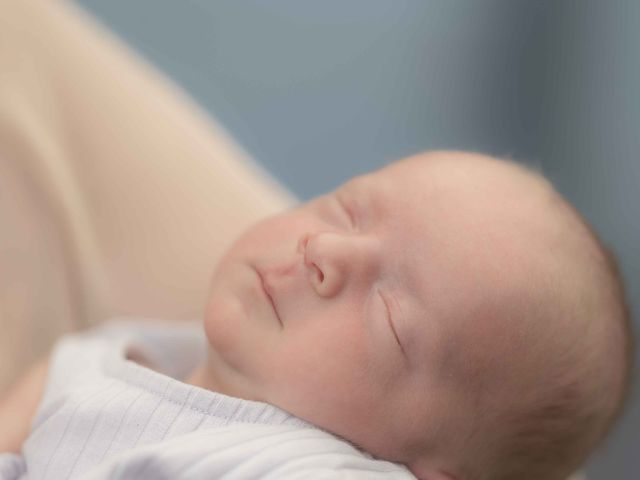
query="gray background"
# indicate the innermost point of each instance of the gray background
(320, 91)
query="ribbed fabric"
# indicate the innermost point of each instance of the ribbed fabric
(104, 416)
(97, 403)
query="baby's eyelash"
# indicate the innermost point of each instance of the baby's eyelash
(390, 321)
(349, 212)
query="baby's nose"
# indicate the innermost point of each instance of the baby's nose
(334, 260)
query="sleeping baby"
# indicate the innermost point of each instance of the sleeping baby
(448, 317)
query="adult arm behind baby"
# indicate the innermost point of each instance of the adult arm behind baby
(18, 406)
(114, 176)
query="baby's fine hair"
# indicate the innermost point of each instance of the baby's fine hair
(573, 412)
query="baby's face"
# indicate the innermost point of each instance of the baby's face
(357, 310)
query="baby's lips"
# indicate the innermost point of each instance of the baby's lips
(267, 289)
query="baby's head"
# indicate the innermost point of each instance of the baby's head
(449, 311)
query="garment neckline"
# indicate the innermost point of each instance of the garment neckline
(117, 366)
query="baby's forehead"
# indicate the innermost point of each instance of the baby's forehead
(465, 184)
(461, 168)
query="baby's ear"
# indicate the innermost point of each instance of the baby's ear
(425, 470)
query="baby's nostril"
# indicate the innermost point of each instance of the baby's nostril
(302, 244)
(319, 272)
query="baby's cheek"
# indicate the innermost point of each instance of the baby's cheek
(221, 322)
(324, 377)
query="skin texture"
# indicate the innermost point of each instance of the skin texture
(364, 310)
(414, 306)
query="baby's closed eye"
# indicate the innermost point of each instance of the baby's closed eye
(347, 209)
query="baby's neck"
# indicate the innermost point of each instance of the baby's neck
(200, 377)
(208, 377)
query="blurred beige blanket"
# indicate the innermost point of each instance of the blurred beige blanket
(117, 194)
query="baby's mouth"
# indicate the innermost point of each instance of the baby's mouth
(266, 289)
